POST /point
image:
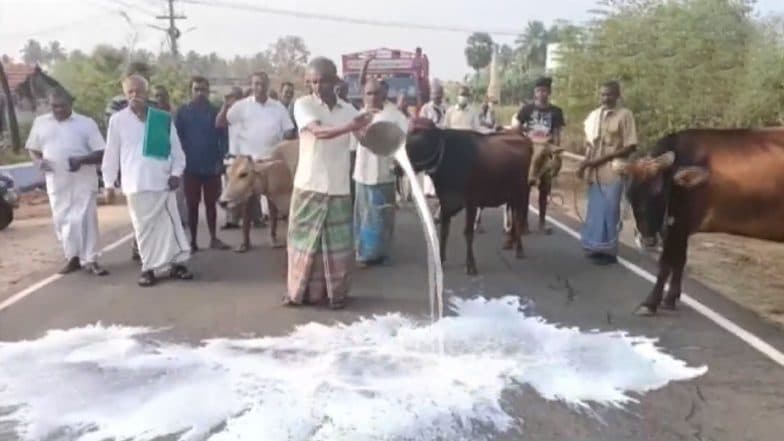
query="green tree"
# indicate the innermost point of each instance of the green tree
(33, 53)
(479, 50)
(692, 63)
(288, 56)
(54, 52)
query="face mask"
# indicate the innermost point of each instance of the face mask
(462, 100)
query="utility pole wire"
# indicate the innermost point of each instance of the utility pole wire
(172, 31)
(352, 20)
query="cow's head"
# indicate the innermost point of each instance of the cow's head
(247, 177)
(423, 144)
(649, 182)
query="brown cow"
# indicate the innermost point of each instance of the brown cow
(273, 178)
(709, 181)
(471, 170)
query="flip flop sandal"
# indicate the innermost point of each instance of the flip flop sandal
(181, 273)
(147, 279)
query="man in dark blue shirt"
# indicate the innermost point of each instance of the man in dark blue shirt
(204, 146)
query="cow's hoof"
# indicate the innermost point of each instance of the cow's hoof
(506, 246)
(546, 230)
(278, 244)
(471, 271)
(520, 254)
(669, 305)
(645, 311)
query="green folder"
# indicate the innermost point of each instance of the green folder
(157, 130)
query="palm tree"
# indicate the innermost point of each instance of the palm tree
(532, 45)
(479, 51)
(54, 52)
(33, 53)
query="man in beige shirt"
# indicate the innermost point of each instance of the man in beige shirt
(610, 133)
(462, 115)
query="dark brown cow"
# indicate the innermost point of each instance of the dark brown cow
(705, 180)
(471, 170)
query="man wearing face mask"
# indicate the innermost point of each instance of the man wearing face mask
(204, 146)
(462, 115)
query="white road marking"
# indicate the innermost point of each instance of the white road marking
(723, 322)
(7, 303)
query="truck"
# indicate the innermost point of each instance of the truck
(405, 72)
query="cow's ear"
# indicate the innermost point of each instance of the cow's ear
(263, 166)
(689, 177)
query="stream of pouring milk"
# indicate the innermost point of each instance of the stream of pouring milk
(435, 272)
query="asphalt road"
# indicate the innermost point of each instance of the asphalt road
(741, 397)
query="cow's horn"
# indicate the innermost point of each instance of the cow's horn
(664, 160)
(383, 138)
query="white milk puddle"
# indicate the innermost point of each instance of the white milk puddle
(375, 379)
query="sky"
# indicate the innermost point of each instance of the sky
(82, 24)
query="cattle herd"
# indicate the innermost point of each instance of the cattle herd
(706, 180)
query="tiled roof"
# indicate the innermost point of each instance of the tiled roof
(17, 73)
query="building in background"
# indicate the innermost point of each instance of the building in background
(553, 58)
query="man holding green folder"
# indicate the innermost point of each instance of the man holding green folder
(143, 145)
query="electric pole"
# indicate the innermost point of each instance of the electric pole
(172, 31)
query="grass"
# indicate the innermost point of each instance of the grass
(8, 157)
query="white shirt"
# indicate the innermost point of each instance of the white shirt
(324, 164)
(59, 140)
(372, 169)
(463, 119)
(234, 142)
(261, 125)
(124, 154)
(434, 112)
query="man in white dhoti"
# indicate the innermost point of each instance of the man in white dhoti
(67, 147)
(150, 175)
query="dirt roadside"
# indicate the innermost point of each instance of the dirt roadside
(747, 271)
(30, 250)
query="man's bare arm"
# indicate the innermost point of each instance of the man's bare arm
(221, 122)
(557, 137)
(326, 132)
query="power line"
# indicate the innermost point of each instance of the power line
(172, 32)
(43, 31)
(352, 20)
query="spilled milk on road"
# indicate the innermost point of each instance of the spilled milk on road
(378, 378)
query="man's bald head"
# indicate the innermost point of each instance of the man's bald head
(322, 77)
(137, 81)
(324, 66)
(376, 92)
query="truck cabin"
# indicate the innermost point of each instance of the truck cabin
(400, 69)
